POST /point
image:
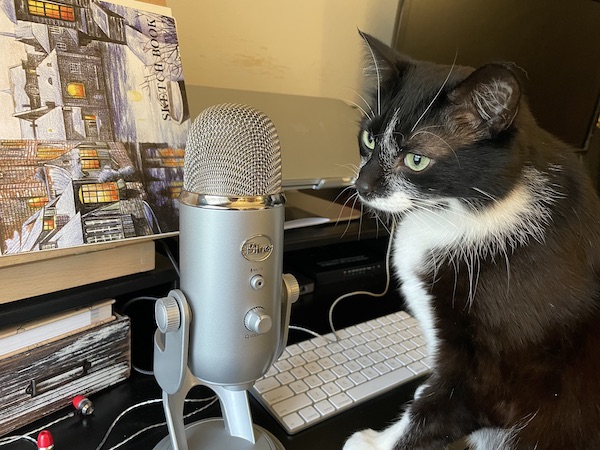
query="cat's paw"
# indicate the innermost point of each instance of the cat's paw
(364, 440)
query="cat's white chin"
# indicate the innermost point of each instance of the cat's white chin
(393, 204)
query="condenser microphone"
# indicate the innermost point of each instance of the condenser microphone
(231, 241)
(228, 321)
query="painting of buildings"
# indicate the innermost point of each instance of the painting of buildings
(93, 123)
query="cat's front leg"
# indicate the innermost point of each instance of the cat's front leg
(438, 416)
(378, 440)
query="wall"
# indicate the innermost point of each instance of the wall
(307, 48)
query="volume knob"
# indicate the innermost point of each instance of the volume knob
(258, 321)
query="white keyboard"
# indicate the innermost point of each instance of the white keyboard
(320, 377)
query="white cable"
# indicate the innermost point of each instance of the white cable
(212, 399)
(9, 439)
(370, 294)
(306, 330)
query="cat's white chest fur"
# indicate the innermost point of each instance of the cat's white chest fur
(416, 240)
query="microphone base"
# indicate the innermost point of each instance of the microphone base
(211, 434)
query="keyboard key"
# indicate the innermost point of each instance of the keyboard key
(340, 371)
(309, 414)
(319, 342)
(278, 394)
(370, 373)
(352, 366)
(317, 395)
(326, 363)
(357, 378)
(339, 358)
(297, 360)
(327, 376)
(286, 377)
(307, 345)
(299, 386)
(294, 349)
(292, 404)
(266, 384)
(299, 372)
(313, 381)
(293, 421)
(351, 354)
(340, 400)
(418, 367)
(379, 384)
(282, 366)
(381, 368)
(344, 383)
(322, 352)
(312, 368)
(330, 388)
(310, 356)
(324, 407)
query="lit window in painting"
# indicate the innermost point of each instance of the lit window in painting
(48, 223)
(76, 90)
(99, 193)
(172, 162)
(90, 163)
(171, 152)
(174, 191)
(89, 158)
(88, 153)
(37, 202)
(51, 10)
(45, 153)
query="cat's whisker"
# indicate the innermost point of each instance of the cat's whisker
(424, 131)
(487, 194)
(368, 105)
(378, 72)
(361, 109)
(436, 95)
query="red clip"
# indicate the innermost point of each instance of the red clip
(45, 441)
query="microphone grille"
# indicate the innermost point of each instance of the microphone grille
(232, 150)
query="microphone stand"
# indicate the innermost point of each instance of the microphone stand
(171, 344)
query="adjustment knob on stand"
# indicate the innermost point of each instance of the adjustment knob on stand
(167, 314)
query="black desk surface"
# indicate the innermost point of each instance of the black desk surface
(86, 433)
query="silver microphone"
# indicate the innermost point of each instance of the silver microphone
(231, 244)
(228, 322)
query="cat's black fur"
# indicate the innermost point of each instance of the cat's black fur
(497, 249)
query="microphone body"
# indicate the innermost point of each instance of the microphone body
(228, 322)
(231, 265)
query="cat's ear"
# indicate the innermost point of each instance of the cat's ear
(488, 99)
(380, 59)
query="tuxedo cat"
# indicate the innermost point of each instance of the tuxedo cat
(497, 252)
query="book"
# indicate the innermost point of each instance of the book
(54, 270)
(29, 335)
(38, 382)
(93, 123)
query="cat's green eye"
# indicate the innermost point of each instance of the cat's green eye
(416, 162)
(368, 139)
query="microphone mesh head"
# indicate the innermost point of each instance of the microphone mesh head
(232, 150)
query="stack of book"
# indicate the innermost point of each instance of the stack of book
(45, 363)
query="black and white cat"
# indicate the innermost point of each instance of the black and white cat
(497, 251)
